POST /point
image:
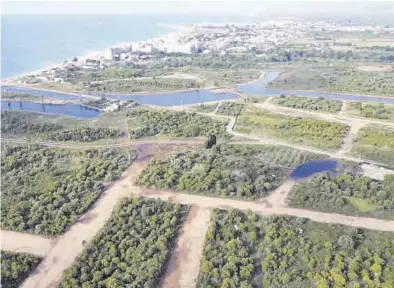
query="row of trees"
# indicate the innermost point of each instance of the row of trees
(15, 267)
(230, 108)
(245, 172)
(44, 189)
(312, 132)
(150, 122)
(132, 248)
(243, 250)
(346, 194)
(12, 123)
(317, 104)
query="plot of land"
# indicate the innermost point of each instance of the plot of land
(310, 132)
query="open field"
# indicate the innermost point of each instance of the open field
(375, 143)
(371, 110)
(243, 172)
(15, 267)
(44, 190)
(131, 249)
(315, 104)
(346, 194)
(307, 131)
(244, 250)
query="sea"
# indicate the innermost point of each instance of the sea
(31, 42)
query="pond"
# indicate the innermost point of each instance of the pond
(309, 168)
(68, 109)
(258, 88)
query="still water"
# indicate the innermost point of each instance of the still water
(69, 109)
(309, 168)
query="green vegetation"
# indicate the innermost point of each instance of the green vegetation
(311, 132)
(206, 108)
(150, 122)
(317, 104)
(99, 103)
(20, 96)
(243, 250)
(375, 143)
(346, 194)
(132, 248)
(15, 267)
(14, 123)
(235, 171)
(252, 99)
(43, 190)
(148, 85)
(337, 80)
(371, 110)
(230, 108)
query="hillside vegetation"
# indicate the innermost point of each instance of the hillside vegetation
(15, 267)
(45, 189)
(235, 171)
(150, 122)
(132, 248)
(346, 194)
(244, 250)
(316, 104)
(305, 131)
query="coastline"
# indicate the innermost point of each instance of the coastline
(180, 29)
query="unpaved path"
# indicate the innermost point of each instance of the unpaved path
(25, 243)
(278, 197)
(349, 139)
(264, 209)
(184, 265)
(68, 246)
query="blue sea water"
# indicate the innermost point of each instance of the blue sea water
(31, 42)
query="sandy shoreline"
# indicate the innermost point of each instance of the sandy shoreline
(179, 30)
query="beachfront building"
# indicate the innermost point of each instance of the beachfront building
(113, 52)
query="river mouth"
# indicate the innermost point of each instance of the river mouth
(308, 169)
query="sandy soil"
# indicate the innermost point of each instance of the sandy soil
(375, 68)
(182, 270)
(347, 145)
(26, 243)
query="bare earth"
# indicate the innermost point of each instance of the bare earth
(184, 265)
(25, 243)
(375, 68)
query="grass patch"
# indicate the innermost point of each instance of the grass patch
(375, 143)
(230, 109)
(371, 110)
(316, 133)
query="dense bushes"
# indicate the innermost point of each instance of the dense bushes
(230, 108)
(132, 248)
(375, 143)
(149, 122)
(318, 104)
(44, 190)
(247, 172)
(372, 110)
(346, 194)
(15, 267)
(312, 132)
(12, 123)
(206, 108)
(242, 250)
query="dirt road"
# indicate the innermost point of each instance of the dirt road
(184, 265)
(26, 243)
